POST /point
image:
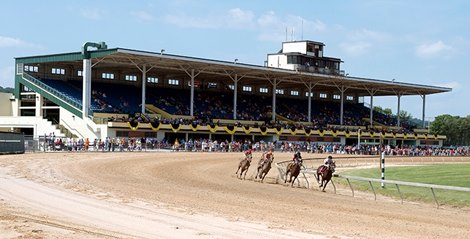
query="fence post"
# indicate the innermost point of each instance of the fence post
(352, 190)
(382, 166)
(401, 196)
(373, 190)
(435, 199)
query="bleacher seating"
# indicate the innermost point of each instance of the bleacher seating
(210, 105)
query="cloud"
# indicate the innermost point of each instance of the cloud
(431, 50)
(454, 85)
(238, 18)
(92, 13)
(356, 48)
(369, 35)
(270, 26)
(7, 76)
(14, 42)
(360, 42)
(233, 18)
(142, 16)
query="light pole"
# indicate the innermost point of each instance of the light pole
(359, 138)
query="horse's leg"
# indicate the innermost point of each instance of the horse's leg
(293, 180)
(285, 178)
(324, 186)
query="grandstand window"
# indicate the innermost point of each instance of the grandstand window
(350, 97)
(232, 87)
(307, 93)
(79, 73)
(131, 78)
(212, 85)
(323, 95)
(337, 97)
(173, 82)
(107, 76)
(247, 88)
(58, 71)
(263, 90)
(152, 80)
(279, 91)
(294, 92)
(31, 68)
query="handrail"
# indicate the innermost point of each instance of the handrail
(422, 185)
(55, 92)
(397, 183)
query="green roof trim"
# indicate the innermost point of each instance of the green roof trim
(73, 56)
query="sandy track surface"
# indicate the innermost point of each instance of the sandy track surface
(192, 195)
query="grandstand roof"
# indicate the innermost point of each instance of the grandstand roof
(178, 66)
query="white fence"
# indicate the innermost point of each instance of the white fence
(398, 183)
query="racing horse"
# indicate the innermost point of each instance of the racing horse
(325, 173)
(294, 170)
(264, 166)
(243, 165)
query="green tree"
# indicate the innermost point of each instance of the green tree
(456, 128)
(404, 116)
(387, 111)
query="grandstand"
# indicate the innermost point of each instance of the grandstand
(298, 94)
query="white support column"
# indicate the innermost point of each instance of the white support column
(86, 90)
(398, 109)
(191, 102)
(192, 76)
(273, 117)
(309, 110)
(144, 81)
(341, 111)
(235, 78)
(371, 109)
(424, 110)
(371, 93)
(39, 102)
(235, 95)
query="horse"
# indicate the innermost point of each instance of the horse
(325, 174)
(293, 169)
(243, 165)
(263, 167)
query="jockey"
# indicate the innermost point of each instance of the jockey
(268, 155)
(248, 154)
(327, 162)
(297, 158)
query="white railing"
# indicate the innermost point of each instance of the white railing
(397, 183)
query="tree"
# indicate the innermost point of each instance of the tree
(456, 128)
(387, 111)
(404, 116)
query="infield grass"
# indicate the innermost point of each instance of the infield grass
(442, 174)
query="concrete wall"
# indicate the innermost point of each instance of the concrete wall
(6, 104)
(289, 47)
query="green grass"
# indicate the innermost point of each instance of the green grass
(444, 174)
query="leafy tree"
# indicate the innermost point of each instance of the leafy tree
(456, 128)
(6, 90)
(387, 111)
(404, 116)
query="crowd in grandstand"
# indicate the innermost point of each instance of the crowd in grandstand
(121, 144)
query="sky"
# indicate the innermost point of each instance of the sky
(422, 42)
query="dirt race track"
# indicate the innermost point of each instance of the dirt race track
(193, 195)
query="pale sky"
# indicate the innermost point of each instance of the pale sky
(423, 42)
